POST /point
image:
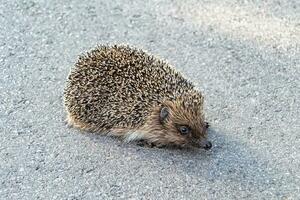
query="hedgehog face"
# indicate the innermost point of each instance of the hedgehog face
(183, 123)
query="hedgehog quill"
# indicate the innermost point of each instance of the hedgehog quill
(123, 91)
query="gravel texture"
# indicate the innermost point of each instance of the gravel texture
(243, 55)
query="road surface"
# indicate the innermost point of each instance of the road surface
(243, 55)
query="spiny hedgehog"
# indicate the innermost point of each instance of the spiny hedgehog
(123, 91)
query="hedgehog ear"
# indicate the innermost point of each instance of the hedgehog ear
(164, 113)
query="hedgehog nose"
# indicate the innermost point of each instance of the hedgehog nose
(206, 144)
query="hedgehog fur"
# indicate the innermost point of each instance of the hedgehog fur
(123, 91)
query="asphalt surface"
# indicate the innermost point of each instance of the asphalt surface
(243, 55)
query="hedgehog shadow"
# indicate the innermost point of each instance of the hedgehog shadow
(229, 159)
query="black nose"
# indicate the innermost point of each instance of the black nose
(207, 145)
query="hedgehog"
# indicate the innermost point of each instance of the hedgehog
(124, 91)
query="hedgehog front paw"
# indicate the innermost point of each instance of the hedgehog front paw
(144, 143)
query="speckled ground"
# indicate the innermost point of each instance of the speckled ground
(243, 55)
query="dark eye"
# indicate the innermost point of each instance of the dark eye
(184, 130)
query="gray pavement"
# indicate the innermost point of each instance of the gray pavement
(243, 55)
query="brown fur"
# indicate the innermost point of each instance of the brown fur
(120, 90)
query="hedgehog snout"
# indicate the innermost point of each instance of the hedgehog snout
(205, 144)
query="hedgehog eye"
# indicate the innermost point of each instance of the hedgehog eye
(184, 130)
